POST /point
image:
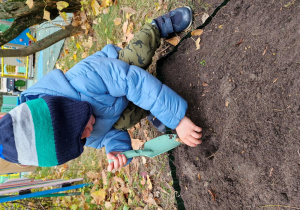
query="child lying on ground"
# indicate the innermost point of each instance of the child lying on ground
(95, 102)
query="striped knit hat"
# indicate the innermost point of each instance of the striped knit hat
(44, 132)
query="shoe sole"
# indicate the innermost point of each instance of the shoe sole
(191, 13)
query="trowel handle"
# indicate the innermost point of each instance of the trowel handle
(134, 153)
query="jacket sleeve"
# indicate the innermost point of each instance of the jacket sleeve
(119, 79)
(114, 140)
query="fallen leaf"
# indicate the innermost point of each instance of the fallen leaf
(92, 175)
(197, 32)
(275, 80)
(150, 200)
(84, 55)
(143, 181)
(96, 7)
(46, 15)
(119, 180)
(125, 26)
(29, 3)
(117, 21)
(205, 84)
(149, 183)
(144, 160)
(128, 10)
(104, 178)
(173, 41)
(226, 103)
(220, 26)
(108, 205)
(198, 43)
(99, 195)
(106, 11)
(137, 143)
(204, 17)
(78, 45)
(61, 5)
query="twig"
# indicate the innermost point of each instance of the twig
(279, 206)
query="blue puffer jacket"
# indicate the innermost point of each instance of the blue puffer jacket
(108, 84)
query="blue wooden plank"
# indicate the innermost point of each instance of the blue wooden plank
(37, 194)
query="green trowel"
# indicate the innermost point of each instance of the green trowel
(155, 146)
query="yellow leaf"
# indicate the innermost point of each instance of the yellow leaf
(46, 15)
(78, 45)
(198, 43)
(64, 16)
(220, 26)
(30, 3)
(99, 196)
(96, 7)
(173, 41)
(128, 16)
(75, 57)
(108, 41)
(149, 183)
(108, 2)
(61, 5)
(197, 32)
(117, 21)
(31, 37)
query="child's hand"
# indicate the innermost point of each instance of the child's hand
(188, 132)
(119, 160)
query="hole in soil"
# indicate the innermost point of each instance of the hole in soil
(210, 151)
(285, 196)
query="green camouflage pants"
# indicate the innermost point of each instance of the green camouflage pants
(138, 52)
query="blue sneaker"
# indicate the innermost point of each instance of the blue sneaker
(174, 21)
(156, 123)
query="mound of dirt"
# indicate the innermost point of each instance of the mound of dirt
(243, 89)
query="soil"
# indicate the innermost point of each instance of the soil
(243, 89)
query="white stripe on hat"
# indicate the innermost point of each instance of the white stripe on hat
(24, 135)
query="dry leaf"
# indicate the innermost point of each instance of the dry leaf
(125, 26)
(226, 103)
(197, 32)
(199, 176)
(119, 180)
(29, 3)
(128, 10)
(150, 200)
(173, 41)
(144, 160)
(105, 11)
(129, 37)
(96, 7)
(46, 15)
(205, 84)
(149, 183)
(204, 17)
(143, 181)
(104, 178)
(99, 195)
(108, 205)
(84, 55)
(92, 175)
(137, 143)
(198, 43)
(61, 5)
(117, 21)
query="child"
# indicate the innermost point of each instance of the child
(87, 106)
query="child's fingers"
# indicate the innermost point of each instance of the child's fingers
(196, 135)
(188, 142)
(116, 162)
(197, 128)
(193, 140)
(124, 159)
(110, 166)
(121, 164)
